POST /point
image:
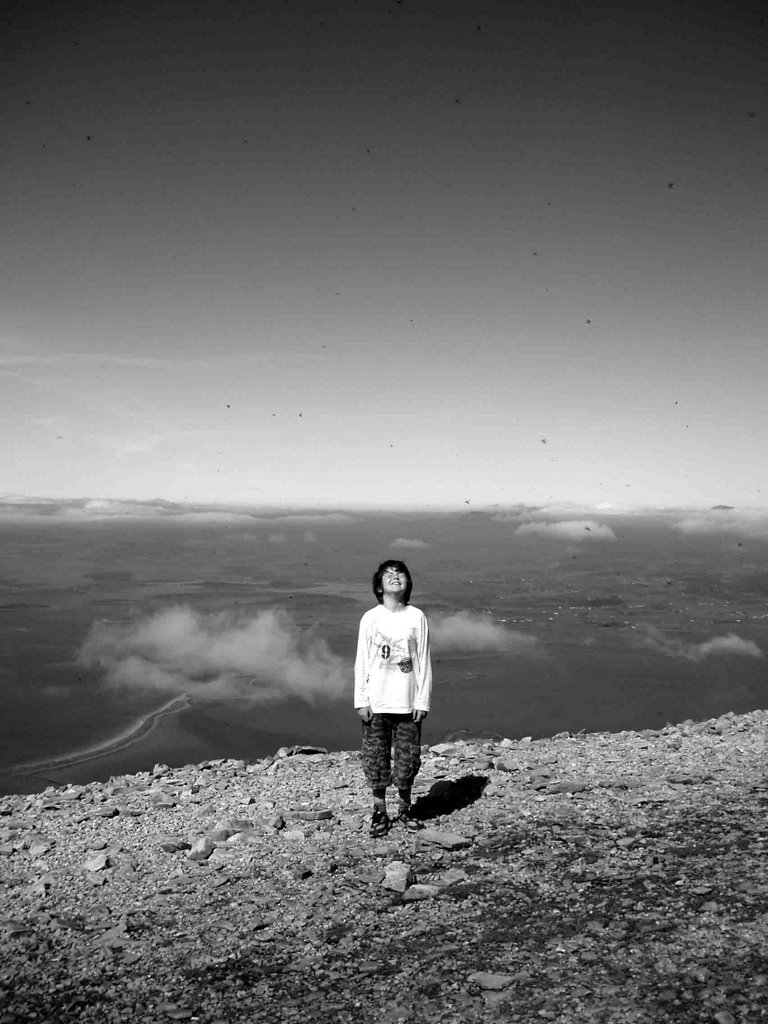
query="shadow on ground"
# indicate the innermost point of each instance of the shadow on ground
(445, 796)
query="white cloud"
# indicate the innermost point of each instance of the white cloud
(558, 510)
(471, 631)
(741, 523)
(97, 507)
(570, 529)
(179, 650)
(307, 518)
(310, 537)
(407, 542)
(729, 644)
(277, 538)
(561, 510)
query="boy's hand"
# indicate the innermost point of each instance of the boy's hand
(419, 716)
(365, 714)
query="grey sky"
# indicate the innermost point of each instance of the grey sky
(492, 252)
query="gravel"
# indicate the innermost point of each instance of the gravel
(613, 878)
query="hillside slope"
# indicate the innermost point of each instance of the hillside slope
(600, 877)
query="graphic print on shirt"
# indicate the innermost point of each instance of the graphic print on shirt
(398, 653)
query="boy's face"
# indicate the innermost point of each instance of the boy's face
(393, 581)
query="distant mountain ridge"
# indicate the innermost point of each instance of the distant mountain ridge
(20, 506)
(16, 506)
(87, 506)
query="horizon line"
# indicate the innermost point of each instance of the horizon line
(158, 507)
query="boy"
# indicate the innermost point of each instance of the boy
(393, 685)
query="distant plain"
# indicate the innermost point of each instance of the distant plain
(621, 622)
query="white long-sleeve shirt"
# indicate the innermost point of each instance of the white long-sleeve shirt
(393, 670)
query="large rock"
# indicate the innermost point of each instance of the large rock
(172, 844)
(299, 749)
(451, 877)
(448, 840)
(39, 847)
(228, 827)
(450, 750)
(96, 862)
(201, 849)
(159, 798)
(568, 786)
(399, 876)
(420, 891)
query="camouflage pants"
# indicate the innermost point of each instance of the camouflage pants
(384, 736)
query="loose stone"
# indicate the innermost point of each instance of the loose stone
(201, 849)
(448, 840)
(567, 786)
(420, 891)
(490, 981)
(398, 876)
(449, 750)
(98, 862)
(322, 814)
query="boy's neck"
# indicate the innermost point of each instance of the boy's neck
(393, 603)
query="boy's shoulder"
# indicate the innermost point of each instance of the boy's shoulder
(378, 609)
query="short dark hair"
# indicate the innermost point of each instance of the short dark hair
(378, 589)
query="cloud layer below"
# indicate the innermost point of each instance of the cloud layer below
(570, 529)
(178, 650)
(741, 523)
(470, 631)
(728, 644)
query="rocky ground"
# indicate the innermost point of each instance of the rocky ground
(601, 877)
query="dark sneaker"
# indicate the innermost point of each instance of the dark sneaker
(379, 824)
(406, 817)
